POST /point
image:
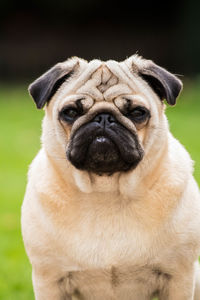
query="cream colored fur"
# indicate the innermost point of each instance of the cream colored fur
(123, 236)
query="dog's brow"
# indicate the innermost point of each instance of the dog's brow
(127, 103)
(79, 103)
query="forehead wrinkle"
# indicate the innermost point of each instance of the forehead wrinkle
(116, 91)
(108, 79)
(82, 78)
(105, 75)
(100, 80)
(122, 71)
(90, 87)
(133, 80)
(104, 81)
(140, 87)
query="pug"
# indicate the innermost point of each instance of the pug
(111, 209)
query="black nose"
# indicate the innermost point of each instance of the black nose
(104, 119)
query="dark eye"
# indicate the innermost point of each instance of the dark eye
(69, 114)
(139, 114)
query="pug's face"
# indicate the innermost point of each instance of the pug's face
(104, 114)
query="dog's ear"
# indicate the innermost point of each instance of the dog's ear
(166, 85)
(43, 88)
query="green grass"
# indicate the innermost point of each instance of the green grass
(20, 125)
(19, 142)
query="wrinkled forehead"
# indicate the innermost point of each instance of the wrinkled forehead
(105, 81)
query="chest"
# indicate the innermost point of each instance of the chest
(97, 244)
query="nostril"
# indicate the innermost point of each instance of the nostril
(111, 119)
(98, 119)
(104, 118)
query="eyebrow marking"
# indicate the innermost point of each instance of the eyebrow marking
(127, 104)
(79, 104)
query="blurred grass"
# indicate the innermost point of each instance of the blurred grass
(20, 125)
(19, 142)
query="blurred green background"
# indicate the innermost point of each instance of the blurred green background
(37, 34)
(20, 124)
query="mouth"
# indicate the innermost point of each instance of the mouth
(102, 155)
(104, 146)
(104, 151)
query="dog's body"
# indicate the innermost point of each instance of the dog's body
(117, 224)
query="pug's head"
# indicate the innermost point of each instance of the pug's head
(104, 117)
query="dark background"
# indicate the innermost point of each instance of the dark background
(34, 35)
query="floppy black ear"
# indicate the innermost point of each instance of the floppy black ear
(166, 85)
(43, 88)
